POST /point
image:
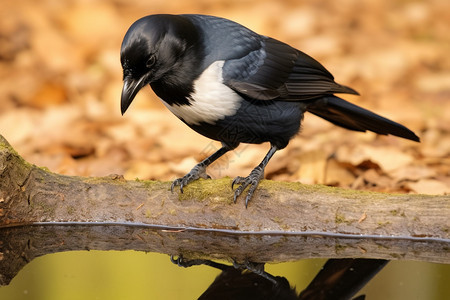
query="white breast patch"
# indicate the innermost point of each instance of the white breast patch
(211, 100)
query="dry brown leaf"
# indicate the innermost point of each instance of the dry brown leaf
(430, 187)
(184, 166)
(53, 58)
(436, 143)
(146, 170)
(363, 217)
(388, 158)
(371, 176)
(413, 173)
(49, 93)
(336, 173)
(312, 166)
(17, 125)
(374, 178)
(358, 183)
(247, 156)
(96, 18)
(435, 82)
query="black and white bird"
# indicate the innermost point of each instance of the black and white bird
(235, 86)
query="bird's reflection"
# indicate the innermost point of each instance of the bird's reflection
(338, 279)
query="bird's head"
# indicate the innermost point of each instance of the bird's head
(152, 48)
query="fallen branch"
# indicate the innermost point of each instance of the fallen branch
(284, 221)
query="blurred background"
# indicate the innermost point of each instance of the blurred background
(61, 82)
(61, 79)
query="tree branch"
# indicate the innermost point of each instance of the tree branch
(284, 221)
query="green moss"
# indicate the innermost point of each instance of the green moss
(338, 248)
(282, 185)
(281, 223)
(46, 210)
(275, 186)
(277, 220)
(70, 210)
(394, 212)
(216, 191)
(382, 224)
(45, 169)
(219, 190)
(339, 219)
(153, 184)
(22, 164)
(285, 227)
(395, 255)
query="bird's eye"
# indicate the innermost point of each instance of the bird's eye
(151, 61)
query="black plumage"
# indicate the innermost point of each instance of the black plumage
(235, 86)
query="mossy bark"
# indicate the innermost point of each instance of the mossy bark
(284, 221)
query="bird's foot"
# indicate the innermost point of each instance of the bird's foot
(253, 180)
(199, 171)
(186, 263)
(181, 262)
(257, 268)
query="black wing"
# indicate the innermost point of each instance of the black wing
(276, 70)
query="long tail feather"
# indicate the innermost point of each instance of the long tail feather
(353, 117)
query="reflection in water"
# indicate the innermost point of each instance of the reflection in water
(342, 278)
(338, 279)
(137, 275)
(119, 275)
(237, 282)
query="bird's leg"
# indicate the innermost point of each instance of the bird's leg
(199, 171)
(257, 268)
(182, 262)
(253, 179)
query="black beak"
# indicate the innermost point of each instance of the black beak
(130, 89)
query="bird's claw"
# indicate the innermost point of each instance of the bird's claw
(197, 172)
(177, 261)
(257, 268)
(253, 180)
(181, 262)
(186, 263)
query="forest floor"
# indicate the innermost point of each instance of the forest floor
(61, 81)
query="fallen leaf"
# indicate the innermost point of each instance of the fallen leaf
(336, 173)
(312, 166)
(429, 187)
(379, 180)
(49, 93)
(146, 170)
(184, 166)
(413, 173)
(362, 218)
(388, 158)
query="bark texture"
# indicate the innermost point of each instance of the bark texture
(43, 212)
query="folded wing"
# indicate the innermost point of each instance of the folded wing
(276, 70)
